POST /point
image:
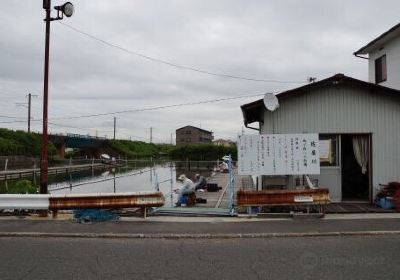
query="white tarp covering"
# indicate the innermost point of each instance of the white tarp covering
(278, 154)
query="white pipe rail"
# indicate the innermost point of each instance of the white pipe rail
(81, 201)
(24, 201)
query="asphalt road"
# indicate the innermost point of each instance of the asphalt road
(374, 257)
(212, 227)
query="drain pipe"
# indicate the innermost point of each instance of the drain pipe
(357, 55)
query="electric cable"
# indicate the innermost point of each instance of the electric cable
(172, 64)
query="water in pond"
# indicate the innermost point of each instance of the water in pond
(122, 179)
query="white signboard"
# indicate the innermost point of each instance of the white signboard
(278, 154)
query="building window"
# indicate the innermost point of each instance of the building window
(328, 150)
(380, 69)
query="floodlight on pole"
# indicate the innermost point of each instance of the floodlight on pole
(67, 9)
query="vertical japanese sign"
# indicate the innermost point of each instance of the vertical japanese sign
(278, 154)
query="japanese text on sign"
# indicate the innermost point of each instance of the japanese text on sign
(278, 154)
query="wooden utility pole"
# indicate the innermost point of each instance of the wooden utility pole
(44, 148)
(151, 134)
(115, 125)
(29, 106)
(29, 112)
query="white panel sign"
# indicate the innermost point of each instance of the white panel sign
(278, 154)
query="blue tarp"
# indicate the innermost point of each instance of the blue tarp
(94, 215)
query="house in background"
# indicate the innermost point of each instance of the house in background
(383, 58)
(193, 135)
(224, 142)
(358, 124)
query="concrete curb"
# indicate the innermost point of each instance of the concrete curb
(194, 236)
(239, 219)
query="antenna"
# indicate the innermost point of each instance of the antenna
(271, 102)
(311, 79)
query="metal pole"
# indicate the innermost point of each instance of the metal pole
(172, 183)
(44, 148)
(34, 172)
(115, 125)
(231, 186)
(29, 112)
(114, 183)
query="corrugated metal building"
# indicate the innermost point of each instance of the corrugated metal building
(341, 109)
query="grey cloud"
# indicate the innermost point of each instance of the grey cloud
(281, 40)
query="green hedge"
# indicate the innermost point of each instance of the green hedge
(202, 152)
(138, 149)
(21, 143)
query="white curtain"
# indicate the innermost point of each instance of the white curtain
(361, 151)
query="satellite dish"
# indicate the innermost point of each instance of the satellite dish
(271, 102)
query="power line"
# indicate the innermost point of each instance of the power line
(158, 107)
(11, 117)
(158, 60)
(143, 109)
(10, 93)
(81, 128)
(15, 121)
(59, 125)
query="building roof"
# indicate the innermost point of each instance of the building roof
(380, 40)
(195, 128)
(224, 141)
(253, 112)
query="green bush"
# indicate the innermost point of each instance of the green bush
(21, 143)
(21, 187)
(138, 149)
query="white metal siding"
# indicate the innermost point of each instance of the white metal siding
(346, 110)
(392, 51)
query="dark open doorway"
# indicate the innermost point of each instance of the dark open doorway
(355, 184)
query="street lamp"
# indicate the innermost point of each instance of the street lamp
(67, 9)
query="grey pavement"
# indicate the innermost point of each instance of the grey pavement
(372, 257)
(213, 226)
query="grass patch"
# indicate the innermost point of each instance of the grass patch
(19, 187)
(19, 142)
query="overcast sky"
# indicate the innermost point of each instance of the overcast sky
(280, 40)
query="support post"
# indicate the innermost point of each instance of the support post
(29, 112)
(115, 125)
(231, 186)
(44, 147)
(151, 134)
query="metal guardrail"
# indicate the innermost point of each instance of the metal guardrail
(282, 197)
(81, 201)
(24, 201)
(319, 197)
